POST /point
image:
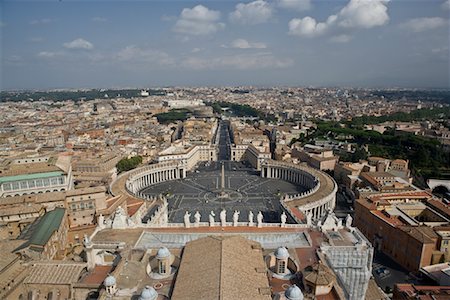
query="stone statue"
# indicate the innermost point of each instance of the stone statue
(250, 218)
(309, 218)
(348, 221)
(235, 218)
(223, 217)
(197, 218)
(259, 218)
(187, 221)
(101, 221)
(211, 219)
(283, 219)
(86, 241)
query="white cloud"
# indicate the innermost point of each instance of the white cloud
(342, 38)
(262, 60)
(79, 44)
(424, 24)
(41, 21)
(357, 14)
(198, 21)
(244, 44)
(99, 19)
(255, 12)
(446, 5)
(135, 54)
(299, 5)
(48, 54)
(309, 27)
(364, 14)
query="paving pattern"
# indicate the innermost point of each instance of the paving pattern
(245, 191)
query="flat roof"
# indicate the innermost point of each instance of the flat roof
(30, 176)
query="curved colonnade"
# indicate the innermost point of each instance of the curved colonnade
(317, 200)
(321, 194)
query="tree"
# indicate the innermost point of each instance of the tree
(127, 164)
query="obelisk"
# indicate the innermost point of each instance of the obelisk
(223, 178)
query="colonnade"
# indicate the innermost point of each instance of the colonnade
(320, 196)
(292, 175)
(153, 174)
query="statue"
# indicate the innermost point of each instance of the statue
(283, 219)
(259, 218)
(235, 218)
(309, 219)
(250, 218)
(211, 219)
(101, 221)
(223, 217)
(348, 221)
(197, 219)
(187, 221)
(86, 241)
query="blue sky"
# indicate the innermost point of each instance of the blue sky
(102, 44)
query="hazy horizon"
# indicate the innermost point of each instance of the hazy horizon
(290, 43)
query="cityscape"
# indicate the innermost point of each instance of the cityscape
(236, 150)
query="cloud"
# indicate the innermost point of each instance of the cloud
(446, 5)
(299, 5)
(135, 54)
(255, 61)
(255, 12)
(198, 21)
(79, 44)
(357, 14)
(244, 44)
(307, 27)
(364, 14)
(48, 54)
(342, 38)
(41, 21)
(99, 19)
(424, 24)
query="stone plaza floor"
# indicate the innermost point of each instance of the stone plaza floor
(245, 191)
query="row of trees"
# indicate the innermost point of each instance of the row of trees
(127, 164)
(173, 116)
(416, 115)
(240, 110)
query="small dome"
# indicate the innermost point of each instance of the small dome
(281, 253)
(163, 252)
(110, 280)
(148, 293)
(293, 293)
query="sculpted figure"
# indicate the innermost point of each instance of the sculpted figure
(250, 218)
(187, 221)
(197, 218)
(309, 218)
(211, 219)
(235, 218)
(259, 218)
(283, 219)
(348, 221)
(223, 217)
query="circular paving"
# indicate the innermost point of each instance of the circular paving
(244, 191)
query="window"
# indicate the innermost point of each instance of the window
(23, 185)
(282, 267)
(31, 184)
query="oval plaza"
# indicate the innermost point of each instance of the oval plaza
(195, 181)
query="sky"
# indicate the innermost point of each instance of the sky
(118, 44)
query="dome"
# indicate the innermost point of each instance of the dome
(281, 253)
(148, 293)
(110, 280)
(293, 293)
(163, 252)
